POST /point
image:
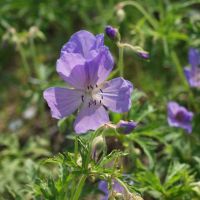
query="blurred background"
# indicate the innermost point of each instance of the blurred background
(32, 33)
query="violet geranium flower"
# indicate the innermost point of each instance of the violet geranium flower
(85, 69)
(103, 186)
(178, 116)
(193, 73)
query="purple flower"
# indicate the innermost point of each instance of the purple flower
(111, 32)
(193, 73)
(85, 70)
(125, 127)
(103, 186)
(178, 116)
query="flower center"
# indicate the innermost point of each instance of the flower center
(180, 116)
(93, 95)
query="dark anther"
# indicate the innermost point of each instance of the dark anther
(105, 107)
(89, 104)
(101, 90)
(96, 85)
(88, 87)
(82, 98)
(95, 102)
(91, 86)
(100, 101)
(101, 96)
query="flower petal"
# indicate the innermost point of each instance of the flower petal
(117, 95)
(82, 42)
(187, 72)
(194, 58)
(99, 67)
(90, 118)
(62, 101)
(67, 63)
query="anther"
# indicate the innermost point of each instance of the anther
(82, 98)
(100, 101)
(89, 104)
(91, 87)
(96, 85)
(101, 90)
(105, 107)
(101, 96)
(95, 102)
(88, 87)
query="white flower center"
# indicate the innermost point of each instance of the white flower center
(93, 95)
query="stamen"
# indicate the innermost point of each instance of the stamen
(101, 90)
(95, 102)
(105, 107)
(100, 101)
(91, 86)
(88, 87)
(89, 104)
(101, 96)
(96, 86)
(82, 98)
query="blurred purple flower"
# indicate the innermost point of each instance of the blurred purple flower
(125, 126)
(193, 73)
(111, 32)
(85, 68)
(178, 116)
(103, 186)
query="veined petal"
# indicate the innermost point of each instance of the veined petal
(62, 101)
(117, 95)
(66, 64)
(99, 67)
(82, 42)
(90, 118)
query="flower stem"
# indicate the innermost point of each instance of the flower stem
(79, 187)
(121, 60)
(24, 61)
(76, 148)
(182, 77)
(148, 17)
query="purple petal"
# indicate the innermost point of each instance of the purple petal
(62, 101)
(187, 72)
(117, 95)
(99, 41)
(178, 116)
(103, 186)
(99, 67)
(194, 58)
(126, 127)
(90, 118)
(67, 64)
(83, 42)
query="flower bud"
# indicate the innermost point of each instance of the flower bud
(125, 127)
(143, 54)
(97, 147)
(120, 15)
(111, 32)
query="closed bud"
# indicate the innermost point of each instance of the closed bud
(125, 127)
(97, 147)
(112, 32)
(120, 15)
(143, 54)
